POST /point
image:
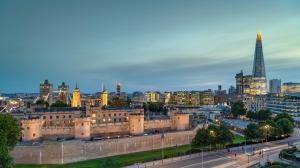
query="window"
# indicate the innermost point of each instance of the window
(115, 120)
(120, 114)
(33, 134)
(103, 115)
(81, 124)
(109, 115)
(28, 128)
(44, 117)
(64, 116)
(70, 116)
(125, 114)
(120, 120)
(115, 114)
(57, 117)
(50, 117)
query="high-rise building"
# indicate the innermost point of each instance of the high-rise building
(76, 99)
(104, 96)
(290, 87)
(259, 82)
(63, 92)
(275, 86)
(243, 83)
(118, 89)
(46, 91)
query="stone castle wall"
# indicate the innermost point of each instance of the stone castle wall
(77, 150)
(157, 124)
(110, 128)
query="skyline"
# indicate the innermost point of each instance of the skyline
(144, 46)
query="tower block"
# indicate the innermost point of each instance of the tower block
(31, 129)
(136, 123)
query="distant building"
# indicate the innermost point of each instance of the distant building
(207, 97)
(255, 102)
(76, 99)
(290, 87)
(181, 97)
(221, 96)
(63, 93)
(118, 89)
(243, 83)
(152, 96)
(259, 80)
(46, 91)
(168, 97)
(289, 103)
(275, 86)
(104, 96)
(138, 97)
(231, 91)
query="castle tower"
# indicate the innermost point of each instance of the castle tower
(63, 92)
(76, 100)
(104, 96)
(259, 82)
(82, 128)
(180, 121)
(31, 129)
(136, 123)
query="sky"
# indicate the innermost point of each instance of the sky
(144, 45)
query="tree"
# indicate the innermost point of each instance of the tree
(42, 102)
(9, 134)
(59, 104)
(238, 108)
(269, 129)
(251, 131)
(201, 139)
(285, 125)
(224, 135)
(284, 115)
(260, 115)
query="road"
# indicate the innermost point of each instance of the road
(238, 157)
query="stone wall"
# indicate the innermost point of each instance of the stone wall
(110, 128)
(76, 150)
(157, 124)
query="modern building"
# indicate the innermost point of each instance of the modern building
(221, 96)
(138, 97)
(289, 103)
(168, 97)
(63, 92)
(290, 87)
(46, 91)
(76, 98)
(255, 102)
(275, 86)
(243, 83)
(152, 96)
(259, 81)
(118, 89)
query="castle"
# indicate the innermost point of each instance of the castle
(84, 123)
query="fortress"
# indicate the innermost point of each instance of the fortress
(91, 122)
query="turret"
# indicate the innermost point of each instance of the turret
(82, 128)
(31, 129)
(180, 121)
(136, 123)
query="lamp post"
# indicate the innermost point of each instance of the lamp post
(212, 133)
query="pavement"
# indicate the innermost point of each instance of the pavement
(238, 157)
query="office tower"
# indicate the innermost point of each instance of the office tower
(243, 83)
(259, 82)
(46, 91)
(275, 86)
(104, 96)
(76, 100)
(118, 89)
(63, 92)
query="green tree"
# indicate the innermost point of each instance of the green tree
(285, 125)
(251, 131)
(238, 108)
(9, 134)
(284, 115)
(42, 102)
(201, 139)
(260, 115)
(59, 104)
(269, 129)
(224, 135)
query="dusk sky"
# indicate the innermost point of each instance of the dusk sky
(144, 44)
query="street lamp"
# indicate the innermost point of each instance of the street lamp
(267, 127)
(212, 133)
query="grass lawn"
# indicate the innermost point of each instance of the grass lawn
(117, 161)
(126, 159)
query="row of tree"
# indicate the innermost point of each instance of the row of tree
(260, 115)
(282, 124)
(213, 135)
